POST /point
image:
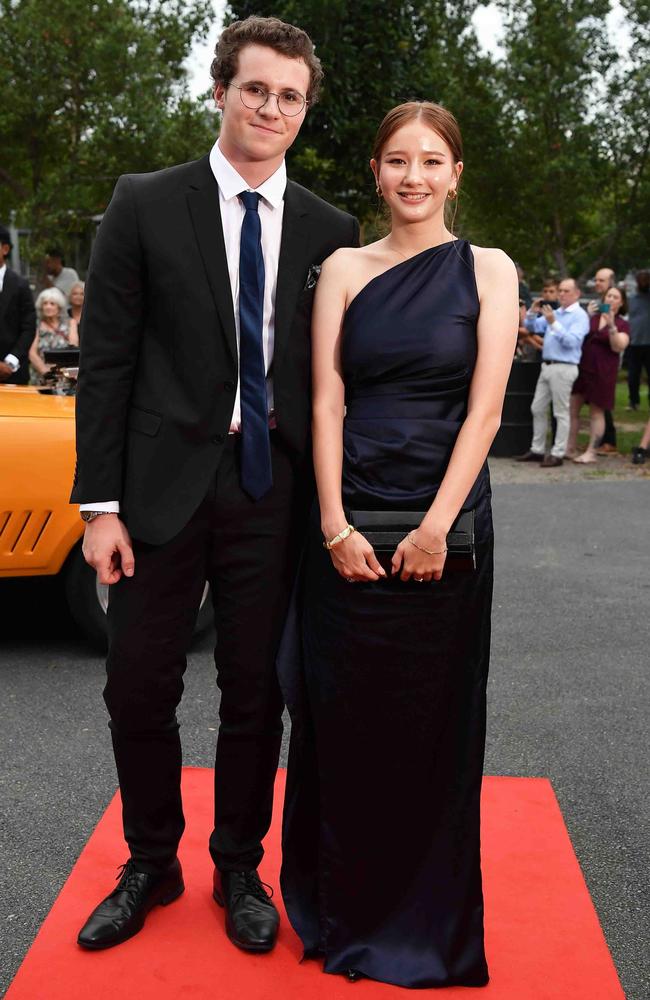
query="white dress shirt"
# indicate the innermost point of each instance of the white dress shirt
(271, 209)
(9, 359)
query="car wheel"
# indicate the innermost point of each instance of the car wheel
(87, 601)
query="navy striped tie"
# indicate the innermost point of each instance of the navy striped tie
(256, 476)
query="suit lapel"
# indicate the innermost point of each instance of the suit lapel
(292, 266)
(203, 204)
(5, 294)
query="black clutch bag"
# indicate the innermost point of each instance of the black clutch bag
(385, 529)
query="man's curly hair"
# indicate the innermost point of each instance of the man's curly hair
(275, 34)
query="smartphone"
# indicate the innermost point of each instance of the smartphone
(603, 307)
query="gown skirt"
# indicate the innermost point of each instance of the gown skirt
(386, 682)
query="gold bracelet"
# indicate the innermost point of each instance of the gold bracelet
(342, 535)
(429, 552)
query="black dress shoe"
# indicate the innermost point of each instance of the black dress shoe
(529, 456)
(252, 920)
(122, 914)
(551, 462)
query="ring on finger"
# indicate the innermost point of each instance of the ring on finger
(419, 579)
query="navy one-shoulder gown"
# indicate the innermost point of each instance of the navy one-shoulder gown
(381, 869)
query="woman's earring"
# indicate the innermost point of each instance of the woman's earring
(452, 194)
(378, 190)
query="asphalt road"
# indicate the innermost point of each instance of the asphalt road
(568, 700)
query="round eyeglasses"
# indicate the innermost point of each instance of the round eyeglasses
(254, 97)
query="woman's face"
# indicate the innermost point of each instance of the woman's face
(50, 309)
(416, 172)
(615, 299)
(76, 296)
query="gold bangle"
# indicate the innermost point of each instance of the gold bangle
(342, 535)
(429, 552)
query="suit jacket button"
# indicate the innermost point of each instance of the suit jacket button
(217, 439)
(229, 386)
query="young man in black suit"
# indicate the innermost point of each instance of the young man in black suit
(193, 448)
(17, 319)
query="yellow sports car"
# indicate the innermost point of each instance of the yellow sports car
(40, 531)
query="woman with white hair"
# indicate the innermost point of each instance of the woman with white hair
(51, 331)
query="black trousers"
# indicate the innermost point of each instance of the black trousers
(638, 358)
(609, 437)
(248, 553)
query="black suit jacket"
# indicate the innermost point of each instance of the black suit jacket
(158, 367)
(17, 323)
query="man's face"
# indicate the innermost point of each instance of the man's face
(603, 280)
(263, 134)
(53, 265)
(5, 250)
(550, 292)
(568, 293)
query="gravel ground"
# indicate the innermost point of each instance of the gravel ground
(568, 700)
(608, 467)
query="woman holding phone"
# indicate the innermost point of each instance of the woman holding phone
(596, 382)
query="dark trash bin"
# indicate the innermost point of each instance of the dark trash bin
(516, 429)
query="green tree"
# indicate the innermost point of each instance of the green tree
(557, 54)
(91, 91)
(624, 235)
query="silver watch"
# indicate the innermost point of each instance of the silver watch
(90, 515)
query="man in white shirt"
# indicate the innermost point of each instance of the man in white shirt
(193, 463)
(564, 330)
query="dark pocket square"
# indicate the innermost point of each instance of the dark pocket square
(312, 276)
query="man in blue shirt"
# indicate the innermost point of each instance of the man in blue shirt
(563, 329)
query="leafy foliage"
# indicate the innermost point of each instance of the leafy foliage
(556, 129)
(92, 91)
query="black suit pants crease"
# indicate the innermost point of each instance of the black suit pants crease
(248, 553)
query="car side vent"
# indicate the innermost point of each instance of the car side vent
(20, 522)
(45, 516)
(26, 526)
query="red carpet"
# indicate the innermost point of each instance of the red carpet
(544, 941)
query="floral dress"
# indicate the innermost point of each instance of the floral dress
(48, 339)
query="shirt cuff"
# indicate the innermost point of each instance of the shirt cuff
(12, 361)
(108, 507)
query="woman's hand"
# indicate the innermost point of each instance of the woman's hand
(410, 561)
(354, 559)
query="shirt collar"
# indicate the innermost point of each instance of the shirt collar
(572, 307)
(231, 184)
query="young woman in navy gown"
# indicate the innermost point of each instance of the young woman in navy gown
(413, 339)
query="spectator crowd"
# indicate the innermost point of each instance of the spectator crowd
(580, 349)
(28, 328)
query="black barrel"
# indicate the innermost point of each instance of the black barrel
(516, 429)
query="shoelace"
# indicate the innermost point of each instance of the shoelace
(126, 877)
(253, 886)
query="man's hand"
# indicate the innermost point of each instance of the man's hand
(592, 307)
(107, 548)
(548, 315)
(5, 371)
